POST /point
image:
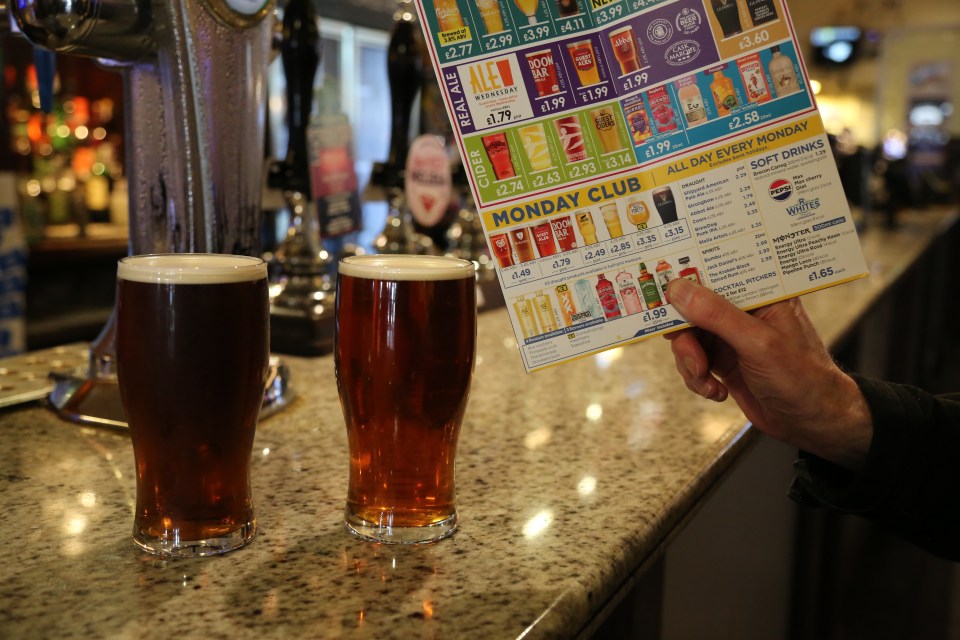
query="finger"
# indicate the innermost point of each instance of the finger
(693, 365)
(706, 386)
(692, 359)
(705, 309)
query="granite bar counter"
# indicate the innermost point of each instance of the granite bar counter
(571, 482)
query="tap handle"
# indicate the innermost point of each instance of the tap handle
(405, 75)
(300, 53)
(44, 60)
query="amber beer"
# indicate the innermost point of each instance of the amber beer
(192, 357)
(404, 353)
(625, 50)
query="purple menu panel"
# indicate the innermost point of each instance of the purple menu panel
(547, 78)
(668, 42)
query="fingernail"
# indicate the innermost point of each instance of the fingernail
(715, 391)
(691, 366)
(680, 290)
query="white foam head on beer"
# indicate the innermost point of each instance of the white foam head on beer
(406, 267)
(191, 268)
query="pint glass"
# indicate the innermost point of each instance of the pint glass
(404, 353)
(666, 205)
(192, 357)
(571, 137)
(544, 72)
(625, 49)
(608, 131)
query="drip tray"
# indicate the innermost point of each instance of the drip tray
(59, 374)
(26, 377)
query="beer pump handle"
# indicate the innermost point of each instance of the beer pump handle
(301, 316)
(301, 57)
(405, 76)
(300, 255)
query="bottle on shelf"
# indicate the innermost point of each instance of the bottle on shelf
(724, 94)
(628, 293)
(754, 78)
(689, 272)
(783, 73)
(649, 289)
(664, 273)
(691, 101)
(608, 298)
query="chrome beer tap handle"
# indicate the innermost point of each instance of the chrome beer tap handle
(405, 76)
(115, 29)
(303, 309)
(194, 76)
(398, 235)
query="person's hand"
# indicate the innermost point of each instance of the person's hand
(776, 368)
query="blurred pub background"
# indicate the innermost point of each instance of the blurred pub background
(886, 75)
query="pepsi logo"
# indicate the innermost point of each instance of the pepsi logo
(781, 189)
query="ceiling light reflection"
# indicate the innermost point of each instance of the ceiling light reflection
(537, 438)
(607, 358)
(587, 485)
(711, 429)
(537, 524)
(594, 412)
(75, 525)
(646, 419)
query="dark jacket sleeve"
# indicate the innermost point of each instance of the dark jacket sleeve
(910, 483)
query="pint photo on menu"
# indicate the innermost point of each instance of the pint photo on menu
(611, 147)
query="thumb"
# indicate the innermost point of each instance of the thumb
(702, 307)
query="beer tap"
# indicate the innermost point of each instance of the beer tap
(405, 77)
(302, 313)
(194, 75)
(398, 235)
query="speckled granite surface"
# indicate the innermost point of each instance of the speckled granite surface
(568, 479)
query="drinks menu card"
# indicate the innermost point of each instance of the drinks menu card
(613, 145)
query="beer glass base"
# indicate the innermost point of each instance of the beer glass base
(172, 546)
(382, 532)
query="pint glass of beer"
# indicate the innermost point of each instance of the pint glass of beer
(192, 358)
(404, 350)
